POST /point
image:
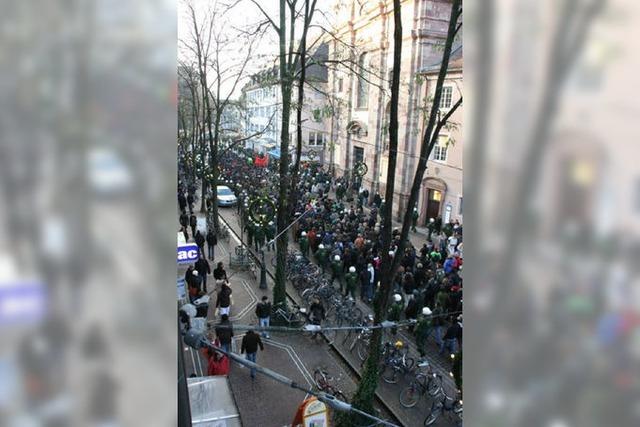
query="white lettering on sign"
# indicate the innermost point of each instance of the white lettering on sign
(188, 253)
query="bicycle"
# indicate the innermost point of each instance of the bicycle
(323, 381)
(395, 361)
(447, 404)
(424, 383)
(291, 317)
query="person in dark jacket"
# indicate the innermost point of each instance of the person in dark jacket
(193, 223)
(203, 269)
(223, 302)
(316, 314)
(184, 220)
(452, 337)
(219, 273)
(224, 332)
(199, 238)
(250, 344)
(212, 241)
(182, 202)
(263, 312)
(196, 280)
(190, 202)
(411, 312)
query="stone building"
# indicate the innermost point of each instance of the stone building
(263, 109)
(361, 98)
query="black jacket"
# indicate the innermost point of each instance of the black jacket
(224, 297)
(250, 343)
(203, 267)
(454, 331)
(199, 239)
(193, 220)
(184, 220)
(219, 274)
(224, 334)
(263, 310)
(212, 240)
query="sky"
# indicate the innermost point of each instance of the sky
(244, 15)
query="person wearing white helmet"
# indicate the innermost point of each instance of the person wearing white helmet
(337, 270)
(322, 255)
(351, 280)
(270, 234)
(304, 244)
(423, 330)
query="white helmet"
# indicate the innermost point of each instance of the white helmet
(397, 297)
(426, 311)
(391, 254)
(352, 269)
(431, 220)
(320, 246)
(336, 258)
(270, 222)
(195, 272)
(304, 233)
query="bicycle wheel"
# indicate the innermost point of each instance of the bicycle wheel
(409, 396)
(390, 374)
(434, 385)
(363, 349)
(433, 416)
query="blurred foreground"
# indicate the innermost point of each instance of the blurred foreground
(88, 98)
(552, 214)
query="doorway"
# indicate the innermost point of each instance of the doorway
(434, 199)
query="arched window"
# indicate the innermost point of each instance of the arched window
(363, 86)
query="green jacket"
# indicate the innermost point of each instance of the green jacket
(395, 311)
(321, 256)
(337, 267)
(351, 280)
(304, 244)
(423, 326)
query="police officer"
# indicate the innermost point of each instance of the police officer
(351, 278)
(423, 330)
(321, 256)
(304, 244)
(337, 268)
(414, 220)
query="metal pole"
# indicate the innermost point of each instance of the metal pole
(184, 407)
(263, 270)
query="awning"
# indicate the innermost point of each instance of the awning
(275, 153)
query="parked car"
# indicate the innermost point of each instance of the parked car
(226, 196)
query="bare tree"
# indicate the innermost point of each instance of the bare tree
(364, 396)
(220, 75)
(289, 60)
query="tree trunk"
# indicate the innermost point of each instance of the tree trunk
(365, 394)
(301, 81)
(279, 289)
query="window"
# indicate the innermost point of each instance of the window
(340, 82)
(460, 206)
(445, 100)
(358, 155)
(440, 149)
(363, 85)
(390, 78)
(316, 138)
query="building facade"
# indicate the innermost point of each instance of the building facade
(263, 111)
(361, 95)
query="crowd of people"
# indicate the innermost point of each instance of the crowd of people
(339, 226)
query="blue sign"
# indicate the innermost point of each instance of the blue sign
(188, 253)
(182, 291)
(22, 302)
